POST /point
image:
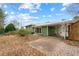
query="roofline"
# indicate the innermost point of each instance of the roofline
(53, 24)
(57, 23)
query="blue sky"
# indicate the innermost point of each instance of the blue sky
(27, 13)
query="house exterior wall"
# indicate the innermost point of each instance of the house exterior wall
(74, 31)
(57, 30)
(29, 28)
(63, 31)
(51, 31)
(38, 30)
(33, 29)
(60, 31)
(44, 30)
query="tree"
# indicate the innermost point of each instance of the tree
(16, 23)
(76, 17)
(2, 17)
(10, 27)
(1, 30)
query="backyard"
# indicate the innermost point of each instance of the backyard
(35, 45)
(23, 33)
(14, 45)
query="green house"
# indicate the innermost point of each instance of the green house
(45, 30)
(29, 27)
(53, 29)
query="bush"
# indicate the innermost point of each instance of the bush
(23, 32)
(1, 30)
(10, 27)
(11, 33)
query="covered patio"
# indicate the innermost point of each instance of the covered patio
(59, 29)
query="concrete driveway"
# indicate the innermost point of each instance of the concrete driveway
(53, 46)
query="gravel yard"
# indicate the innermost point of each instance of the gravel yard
(53, 46)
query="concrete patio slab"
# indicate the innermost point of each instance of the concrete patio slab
(53, 46)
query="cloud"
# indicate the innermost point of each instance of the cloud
(26, 17)
(6, 12)
(34, 11)
(71, 8)
(50, 15)
(34, 7)
(5, 6)
(70, 19)
(11, 17)
(22, 18)
(59, 14)
(35, 17)
(26, 6)
(44, 16)
(52, 9)
(12, 12)
(64, 6)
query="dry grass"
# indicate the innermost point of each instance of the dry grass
(72, 42)
(13, 45)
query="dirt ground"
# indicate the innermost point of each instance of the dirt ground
(13, 45)
(35, 45)
(53, 46)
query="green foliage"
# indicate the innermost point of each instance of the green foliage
(76, 17)
(1, 30)
(23, 32)
(10, 27)
(2, 16)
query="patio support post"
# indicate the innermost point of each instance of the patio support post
(66, 30)
(41, 30)
(47, 31)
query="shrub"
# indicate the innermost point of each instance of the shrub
(23, 32)
(10, 27)
(1, 30)
(11, 33)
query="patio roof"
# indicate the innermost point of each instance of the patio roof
(52, 24)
